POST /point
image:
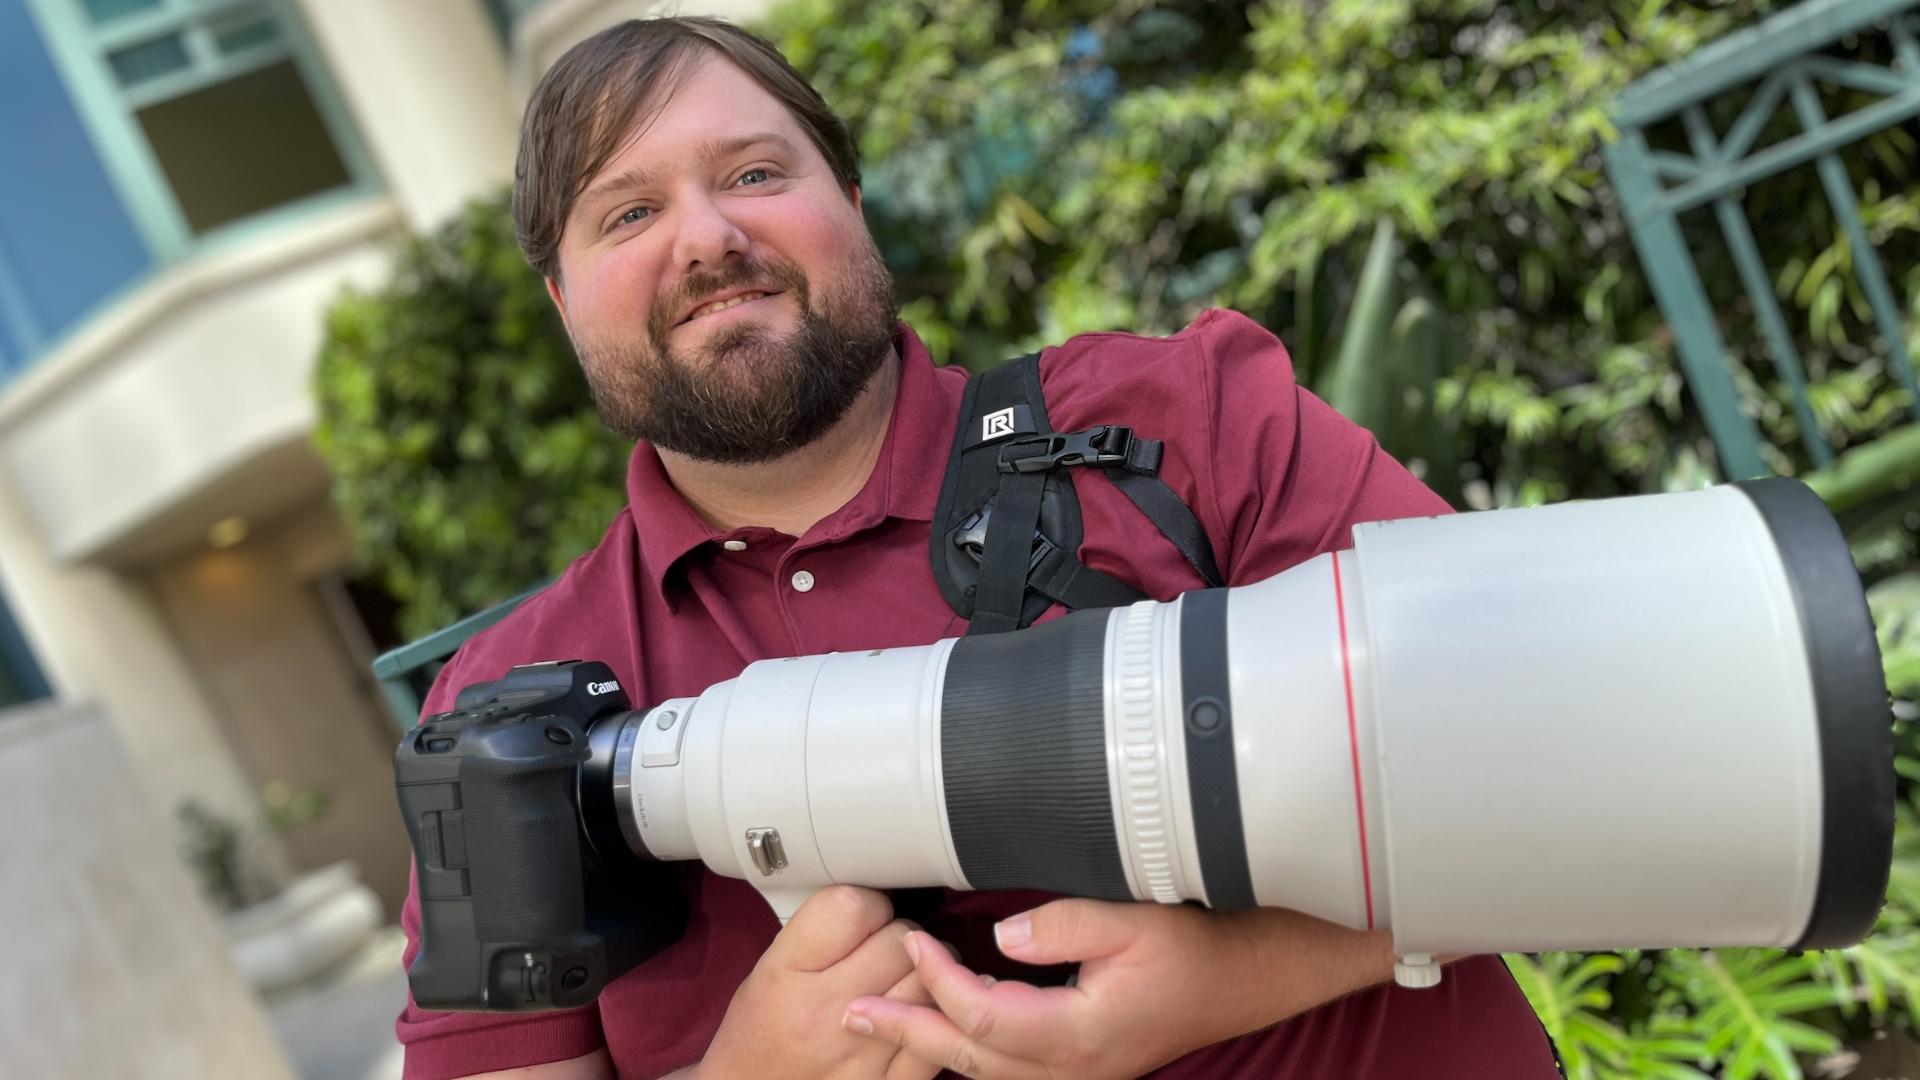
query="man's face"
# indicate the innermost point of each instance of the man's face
(719, 285)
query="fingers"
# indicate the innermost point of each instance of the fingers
(907, 1066)
(1010, 1017)
(909, 991)
(1066, 931)
(927, 1036)
(830, 926)
(881, 960)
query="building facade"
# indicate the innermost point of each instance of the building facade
(184, 187)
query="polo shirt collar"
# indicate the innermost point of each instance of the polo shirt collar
(905, 482)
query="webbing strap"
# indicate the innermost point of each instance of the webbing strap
(1007, 554)
(1073, 583)
(1172, 517)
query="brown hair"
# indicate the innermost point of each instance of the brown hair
(585, 103)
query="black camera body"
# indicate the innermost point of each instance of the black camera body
(521, 908)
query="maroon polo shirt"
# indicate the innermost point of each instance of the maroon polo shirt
(673, 606)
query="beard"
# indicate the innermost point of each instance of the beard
(747, 393)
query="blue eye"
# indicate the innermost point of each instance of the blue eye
(629, 217)
(761, 173)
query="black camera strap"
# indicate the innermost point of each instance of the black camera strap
(1007, 527)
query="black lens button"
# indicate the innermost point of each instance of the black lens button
(1206, 717)
(559, 735)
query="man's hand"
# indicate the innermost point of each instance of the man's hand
(785, 1018)
(1156, 983)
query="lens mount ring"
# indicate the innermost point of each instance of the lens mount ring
(623, 783)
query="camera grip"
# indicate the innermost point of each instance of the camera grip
(489, 806)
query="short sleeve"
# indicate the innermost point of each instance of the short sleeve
(445, 1045)
(1290, 476)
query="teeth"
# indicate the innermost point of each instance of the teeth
(723, 305)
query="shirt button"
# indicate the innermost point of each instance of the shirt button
(802, 581)
(734, 545)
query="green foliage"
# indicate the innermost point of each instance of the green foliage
(466, 453)
(1745, 1001)
(1573, 995)
(1895, 603)
(285, 808)
(211, 846)
(1393, 345)
(1040, 170)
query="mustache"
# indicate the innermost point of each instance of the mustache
(781, 275)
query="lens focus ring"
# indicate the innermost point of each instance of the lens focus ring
(1145, 798)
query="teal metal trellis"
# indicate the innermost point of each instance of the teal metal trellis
(1782, 58)
(407, 673)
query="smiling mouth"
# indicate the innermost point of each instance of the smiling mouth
(722, 305)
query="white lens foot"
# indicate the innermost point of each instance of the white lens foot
(1417, 971)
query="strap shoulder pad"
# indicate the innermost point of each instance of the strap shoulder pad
(1000, 404)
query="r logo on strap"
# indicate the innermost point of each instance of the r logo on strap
(1005, 423)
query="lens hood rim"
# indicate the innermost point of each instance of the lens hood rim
(1852, 707)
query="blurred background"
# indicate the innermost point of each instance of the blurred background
(278, 394)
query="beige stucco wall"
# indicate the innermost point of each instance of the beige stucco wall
(205, 369)
(295, 703)
(187, 402)
(113, 969)
(100, 639)
(426, 83)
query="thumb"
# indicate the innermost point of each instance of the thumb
(829, 927)
(1069, 930)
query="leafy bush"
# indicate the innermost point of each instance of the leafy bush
(465, 450)
(1043, 169)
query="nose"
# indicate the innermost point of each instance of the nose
(707, 237)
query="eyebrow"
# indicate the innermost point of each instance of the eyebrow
(645, 176)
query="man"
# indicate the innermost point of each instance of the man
(695, 209)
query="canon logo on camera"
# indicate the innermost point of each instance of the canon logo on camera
(598, 688)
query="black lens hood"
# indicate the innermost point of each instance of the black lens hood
(1854, 717)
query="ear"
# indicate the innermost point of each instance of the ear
(559, 298)
(853, 194)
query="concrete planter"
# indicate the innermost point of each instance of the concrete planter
(321, 919)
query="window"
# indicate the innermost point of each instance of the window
(505, 13)
(209, 112)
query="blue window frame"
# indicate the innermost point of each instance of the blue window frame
(504, 14)
(214, 117)
(66, 240)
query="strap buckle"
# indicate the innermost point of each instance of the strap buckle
(1100, 447)
(971, 538)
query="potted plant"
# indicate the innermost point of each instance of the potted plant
(282, 930)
